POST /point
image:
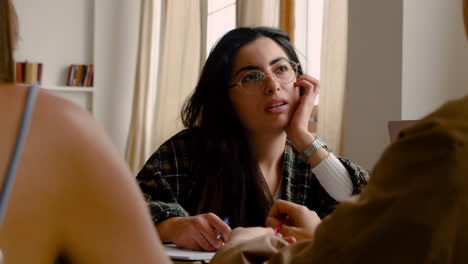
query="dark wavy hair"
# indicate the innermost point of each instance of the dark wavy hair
(228, 179)
(8, 37)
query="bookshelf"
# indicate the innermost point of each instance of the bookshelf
(69, 89)
(58, 34)
(104, 33)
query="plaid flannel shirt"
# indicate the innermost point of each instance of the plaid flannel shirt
(166, 180)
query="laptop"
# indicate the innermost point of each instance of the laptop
(394, 128)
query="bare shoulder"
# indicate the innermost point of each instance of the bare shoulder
(62, 114)
(92, 207)
(72, 127)
(57, 133)
(101, 188)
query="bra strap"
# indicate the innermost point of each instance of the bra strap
(20, 137)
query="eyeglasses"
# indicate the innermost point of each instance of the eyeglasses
(253, 82)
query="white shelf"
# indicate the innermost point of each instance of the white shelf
(69, 88)
(69, 39)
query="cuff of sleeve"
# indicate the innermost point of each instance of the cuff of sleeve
(159, 213)
(334, 178)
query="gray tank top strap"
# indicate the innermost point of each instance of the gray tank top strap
(18, 147)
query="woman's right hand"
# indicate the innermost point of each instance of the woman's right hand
(197, 232)
(300, 222)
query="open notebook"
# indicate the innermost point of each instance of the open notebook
(176, 253)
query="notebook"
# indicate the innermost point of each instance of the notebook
(176, 253)
(394, 128)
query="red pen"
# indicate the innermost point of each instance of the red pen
(280, 223)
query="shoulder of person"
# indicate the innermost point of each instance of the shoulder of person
(181, 140)
(72, 134)
(61, 112)
(449, 122)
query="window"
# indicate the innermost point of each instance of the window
(221, 18)
(308, 34)
(308, 42)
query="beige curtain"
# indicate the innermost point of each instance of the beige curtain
(167, 71)
(180, 65)
(287, 17)
(139, 141)
(333, 74)
(257, 13)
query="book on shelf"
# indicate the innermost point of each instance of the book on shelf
(71, 74)
(28, 72)
(31, 73)
(39, 72)
(77, 80)
(80, 75)
(19, 72)
(88, 81)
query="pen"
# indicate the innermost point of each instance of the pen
(280, 223)
(225, 220)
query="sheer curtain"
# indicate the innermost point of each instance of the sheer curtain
(330, 123)
(144, 99)
(180, 65)
(257, 13)
(167, 71)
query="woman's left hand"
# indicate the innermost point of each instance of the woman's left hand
(297, 130)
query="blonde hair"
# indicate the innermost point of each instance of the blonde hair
(8, 37)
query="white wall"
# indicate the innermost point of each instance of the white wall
(116, 35)
(406, 58)
(57, 33)
(103, 32)
(373, 77)
(435, 55)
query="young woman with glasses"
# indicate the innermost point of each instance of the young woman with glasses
(246, 144)
(414, 209)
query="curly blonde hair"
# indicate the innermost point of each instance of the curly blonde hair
(8, 38)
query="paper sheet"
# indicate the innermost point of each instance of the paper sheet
(186, 254)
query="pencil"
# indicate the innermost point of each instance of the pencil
(225, 220)
(280, 223)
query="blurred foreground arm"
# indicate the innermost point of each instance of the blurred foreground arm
(104, 217)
